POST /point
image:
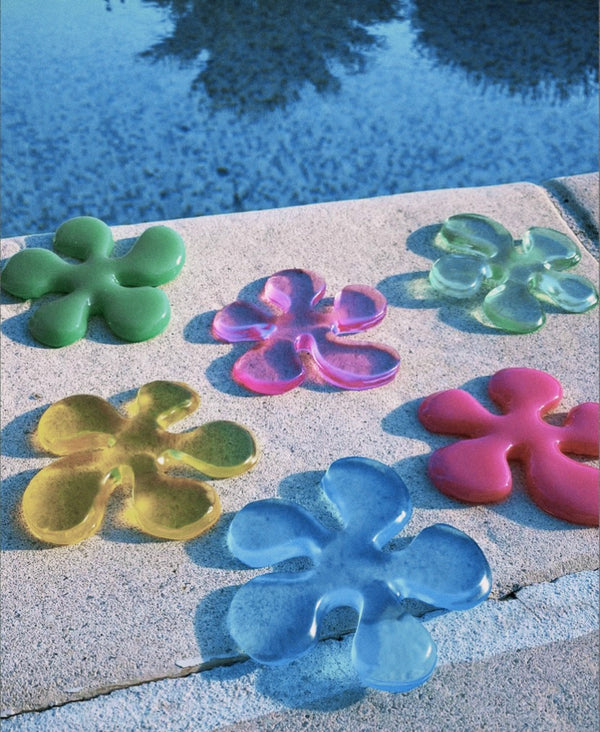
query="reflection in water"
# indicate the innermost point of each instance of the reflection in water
(531, 47)
(259, 54)
(89, 127)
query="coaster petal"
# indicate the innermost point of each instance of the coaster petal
(392, 650)
(170, 507)
(65, 502)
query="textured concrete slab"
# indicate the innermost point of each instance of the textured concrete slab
(537, 673)
(122, 608)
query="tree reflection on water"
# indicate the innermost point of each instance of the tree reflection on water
(259, 54)
(254, 55)
(533, 47)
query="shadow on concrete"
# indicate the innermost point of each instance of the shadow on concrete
(211, 550)
(254, 57)
(14, 534)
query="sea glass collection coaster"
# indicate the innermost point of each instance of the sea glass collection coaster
(122, 289)
(516, 277)
(276, 617)
(477, 470)
(101, 449)
(294, 324)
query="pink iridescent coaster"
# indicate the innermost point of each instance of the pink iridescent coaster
(477, 470)
(293, 323)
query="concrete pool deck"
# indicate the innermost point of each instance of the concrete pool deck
(125, 632)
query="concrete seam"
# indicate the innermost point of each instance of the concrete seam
(224, 662)
(575, 216)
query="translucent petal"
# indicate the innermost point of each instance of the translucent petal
(357, 307)
(474, 234)
(391, 650)
(571, 292)
(273, 618)
(512, 307)
(456, 575)
(293, 289)
(266, 532)
(272, 367)
(371, 498)
(458, 275)
(551, 247)
(169, 507)
(78, 423)
(166, 402)
(350, 364)
(65, 502)
(241, 321)
(218, 449)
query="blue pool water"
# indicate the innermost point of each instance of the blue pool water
(141, 110)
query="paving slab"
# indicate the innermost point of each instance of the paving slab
(578, 199)
(122, 608)
(540, 672)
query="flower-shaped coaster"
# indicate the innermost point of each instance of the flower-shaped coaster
(122, 289)
(275, 617)
(65, 502)
(477, 470)
(294, 323)
(482, 257)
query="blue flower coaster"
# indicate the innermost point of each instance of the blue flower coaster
(276, 617)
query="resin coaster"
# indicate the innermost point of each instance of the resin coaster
(477, 470)
(65, 502)
(276, 617)
(122, 289)
(294, 323)
(518, 277)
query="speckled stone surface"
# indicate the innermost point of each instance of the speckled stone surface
(578, 200)
(121, 608)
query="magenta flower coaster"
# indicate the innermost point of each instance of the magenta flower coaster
(122, 289)
(276, 617)
(477, 470)
(293, 323)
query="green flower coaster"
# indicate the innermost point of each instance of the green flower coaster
(121, 289)
(514, 279)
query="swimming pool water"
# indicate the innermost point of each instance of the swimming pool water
(143, 110)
